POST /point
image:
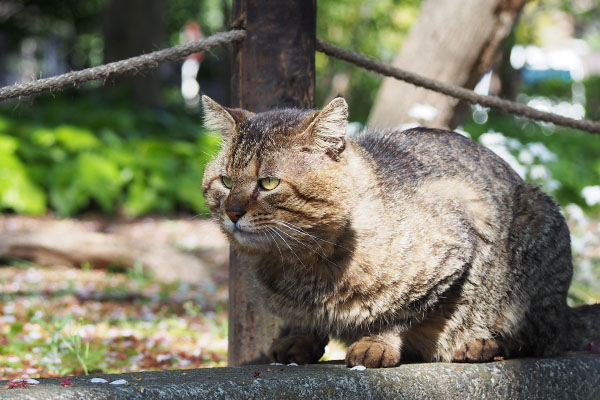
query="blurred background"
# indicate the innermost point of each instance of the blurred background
(109, 260)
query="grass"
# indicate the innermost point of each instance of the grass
(61, 321)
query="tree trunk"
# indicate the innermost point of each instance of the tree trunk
(274, 67)
(455, 42)
(54, 246)
(131, 28)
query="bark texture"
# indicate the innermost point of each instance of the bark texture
(273, 68)
(132, 28)
(61, 244)
(455, 42)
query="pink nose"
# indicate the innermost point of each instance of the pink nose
(234, 215)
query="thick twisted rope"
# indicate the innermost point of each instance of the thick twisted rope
(454, 91)
(151, 60)
(133, 64)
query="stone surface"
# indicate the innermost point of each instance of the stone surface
(568, 377)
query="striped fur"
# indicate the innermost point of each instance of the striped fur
(414, 245)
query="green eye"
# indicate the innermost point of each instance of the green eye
(269, 183)
(226, 181)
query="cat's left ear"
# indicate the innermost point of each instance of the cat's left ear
(328, 129)
(222, 119)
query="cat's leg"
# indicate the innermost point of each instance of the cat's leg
(376, 351)
(298, 346)
(467, 336)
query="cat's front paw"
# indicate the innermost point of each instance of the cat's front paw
(372, 354)
(477, 350)
(297, 348)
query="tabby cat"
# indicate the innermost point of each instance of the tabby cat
(413, 245)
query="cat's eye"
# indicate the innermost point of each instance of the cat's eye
(269, 183)
(227, 182)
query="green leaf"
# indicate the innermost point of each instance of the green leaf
(8, 145)
(101, 178)
(143, 198)
(75, 138)
(88, 177)
(4, 124)
(17, 191)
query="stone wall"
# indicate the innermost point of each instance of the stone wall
(575, 376)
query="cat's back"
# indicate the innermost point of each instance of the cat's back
(414, 156)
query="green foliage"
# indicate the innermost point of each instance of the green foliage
(377, 30)
(80, 351)
(552, 88)
(576, 164)
(56, 359)
(79, 156)
(17, 191)
(592, 106)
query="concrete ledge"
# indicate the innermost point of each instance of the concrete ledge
(572, 376)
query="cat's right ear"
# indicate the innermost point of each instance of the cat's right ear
(328, 128)
(222, 119)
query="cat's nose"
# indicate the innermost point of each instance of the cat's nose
(235, 214)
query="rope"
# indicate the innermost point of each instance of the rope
(130, 65)
(454, 91)
(151, 60)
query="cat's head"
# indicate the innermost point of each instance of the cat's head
(278, 177)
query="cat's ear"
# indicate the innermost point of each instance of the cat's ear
(328, 129)
(217, 118)
(222, 119)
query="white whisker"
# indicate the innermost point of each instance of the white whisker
(277, 245)
(274, 230)
(302, 231)
(308, 247)
(200, 215)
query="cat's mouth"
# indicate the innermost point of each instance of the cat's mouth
(238, 232)
(248, 238)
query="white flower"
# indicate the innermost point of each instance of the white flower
(423, 112)
(539, 172)
(540, 151)
(525, 156)
(98, 380)
(163, 357)
(119, 382)
(591, 194)
(358, 368)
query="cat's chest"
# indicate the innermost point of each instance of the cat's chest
(313, 301)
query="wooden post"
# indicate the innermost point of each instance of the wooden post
(273, 68)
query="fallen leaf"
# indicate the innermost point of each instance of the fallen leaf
(66, 381)
(17, 383)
